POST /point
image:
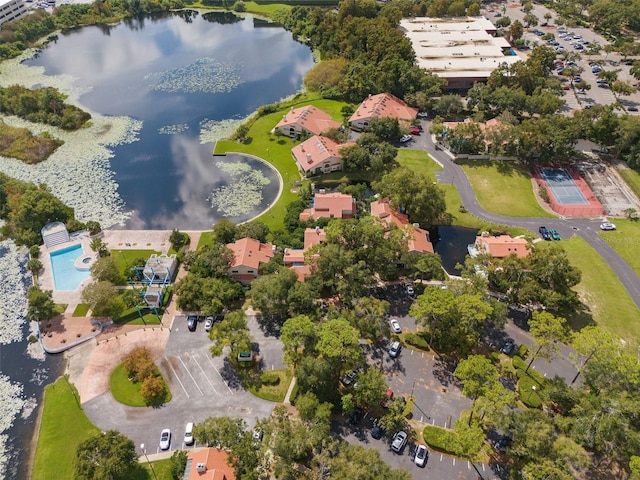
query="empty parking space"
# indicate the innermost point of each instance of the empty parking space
(195, 374)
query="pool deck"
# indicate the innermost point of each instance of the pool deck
(65, 331)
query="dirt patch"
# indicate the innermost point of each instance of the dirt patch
(607, 184)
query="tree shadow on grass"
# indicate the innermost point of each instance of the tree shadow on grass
(580, 318)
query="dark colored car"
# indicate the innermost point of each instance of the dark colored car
(503, 443)
(356, 416)
(349, 378)
(192, 321)
(377, 432)
(508, 347)
(544, 233)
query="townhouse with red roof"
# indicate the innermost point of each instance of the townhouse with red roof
(381, 106)
(499, 246)
(294, 257)
(330, 205)
(417, 238)
(318, 155)
(248, 254)
(307, 119)
(208, 464)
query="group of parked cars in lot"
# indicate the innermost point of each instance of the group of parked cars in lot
(192, 321)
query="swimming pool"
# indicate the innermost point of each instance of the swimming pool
(65, 275)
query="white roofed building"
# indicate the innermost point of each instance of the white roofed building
(461, 50)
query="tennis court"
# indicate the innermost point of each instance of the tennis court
(563, 187)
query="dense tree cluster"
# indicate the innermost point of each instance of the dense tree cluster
(26, 208)
(42, 105)
(20, 143)
(106, 456)
(366, 52)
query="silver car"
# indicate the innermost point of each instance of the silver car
(399, 441)
(395, 326)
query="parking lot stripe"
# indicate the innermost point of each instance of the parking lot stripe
(441, 457)
(189, 373)
(225, 382)
(175, 374)
(206, 376)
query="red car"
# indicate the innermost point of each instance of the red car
(384, 403)
(415, 131)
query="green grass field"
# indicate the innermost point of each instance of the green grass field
(418, 161)
(504, 188)
(124, 258)
(64, 426)
(610, 305)
(81, 310)
(277, 151)
(625, 240)
(128, 392)
(632, 178)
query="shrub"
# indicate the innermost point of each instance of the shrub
(153, 390)
(32, 339)
(34, 251)
(139, 364)
(528, 395)
(269, 378)
(239, 6)
(439, 438)
(519, 364)
(418, 340)
(179, 239)
(522, 351)
(544, 195)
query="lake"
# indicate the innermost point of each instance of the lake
(182, 75)
(450, 242)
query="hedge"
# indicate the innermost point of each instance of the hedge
(418, 340)
(269, 378)
(439, 438)
(528, 396)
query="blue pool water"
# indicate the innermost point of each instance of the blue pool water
(65, 275)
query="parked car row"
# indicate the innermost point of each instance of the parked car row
(192, 321)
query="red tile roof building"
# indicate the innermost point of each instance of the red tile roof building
(208, 464)
(381, 105)
(501, 246)
(248, 253)
(294, 258)
(417, 238)
(306, 119)
(330, 205)
(318, 155)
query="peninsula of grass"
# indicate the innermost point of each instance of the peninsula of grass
(610, 305)
(276, 150)
(63, 427)
(277, 392)
(504, 188)
(127, 392)
(20, 143)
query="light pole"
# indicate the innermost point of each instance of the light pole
(533, 389)
(150, 464)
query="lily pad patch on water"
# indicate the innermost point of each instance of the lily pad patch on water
(241, 196)
(173, 129)
(204, 75)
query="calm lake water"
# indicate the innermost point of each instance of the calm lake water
(176, 73)
(451, 243)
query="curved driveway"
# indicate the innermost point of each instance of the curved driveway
(584, 227)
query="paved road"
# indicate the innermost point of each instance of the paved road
(587, 228)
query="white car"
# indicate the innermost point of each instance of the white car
(406, 138)
(208, 323)
(188, 434)
(395, 326)
(421, 456)
(399, 441)
(165, 439)
(607, 226)
(410, 291)
(394, 349)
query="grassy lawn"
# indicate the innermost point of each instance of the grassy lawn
(81, 310)
(131, 317)
(274, 393)
(504, 188)
(162, 469)
(418, 161)
(624, 240)
(610, 305)
(632, 178)
(64, 426)
(128, 392)
(206, 238)
(277, 151)
(125, 258)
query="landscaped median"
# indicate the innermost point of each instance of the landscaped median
(272, 384)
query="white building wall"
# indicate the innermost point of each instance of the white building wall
(11, 10)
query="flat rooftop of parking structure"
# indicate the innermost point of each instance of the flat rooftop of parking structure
(463, 47)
